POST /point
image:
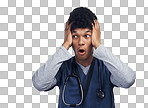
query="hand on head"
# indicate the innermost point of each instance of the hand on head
(96, 34)
(67, 36)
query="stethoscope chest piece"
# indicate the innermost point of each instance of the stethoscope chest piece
(100, 94)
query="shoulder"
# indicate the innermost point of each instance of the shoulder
(102, 66)
(67, 63)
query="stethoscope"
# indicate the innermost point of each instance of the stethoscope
(100, 94)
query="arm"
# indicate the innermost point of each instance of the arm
(44, 78)
(121, 74)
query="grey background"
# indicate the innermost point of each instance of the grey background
(32, 30)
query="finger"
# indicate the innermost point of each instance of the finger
(67, 22)
(67, 25)
(95, 21)
(97, 24)
(92, 26)
(70, 24)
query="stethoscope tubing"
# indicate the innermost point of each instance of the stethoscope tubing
(80, 88)
(100, 93)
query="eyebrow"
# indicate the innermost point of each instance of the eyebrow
(85, 31)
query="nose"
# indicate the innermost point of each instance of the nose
(81, 41)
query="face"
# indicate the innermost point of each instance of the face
(82, 44)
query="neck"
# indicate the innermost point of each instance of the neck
(85, 62)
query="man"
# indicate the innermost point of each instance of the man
(87, 79)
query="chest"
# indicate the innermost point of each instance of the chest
(72, 92)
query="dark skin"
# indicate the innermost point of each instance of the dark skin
(83, 39)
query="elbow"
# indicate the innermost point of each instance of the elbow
(36, 84)
(38, 87)
(130, 81)
(43, 86)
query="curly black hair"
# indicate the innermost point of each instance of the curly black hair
(81, 17)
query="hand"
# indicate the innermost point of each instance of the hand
(96, 34)
(67, 36)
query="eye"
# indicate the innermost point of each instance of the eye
(87, 36)
(74, 36)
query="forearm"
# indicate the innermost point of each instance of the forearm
(121, 74)
(44, 77)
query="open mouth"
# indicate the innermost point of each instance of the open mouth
(81, 51)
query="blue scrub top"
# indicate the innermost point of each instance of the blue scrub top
(73, 94)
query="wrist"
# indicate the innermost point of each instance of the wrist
(97, 45)
(66, 45)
